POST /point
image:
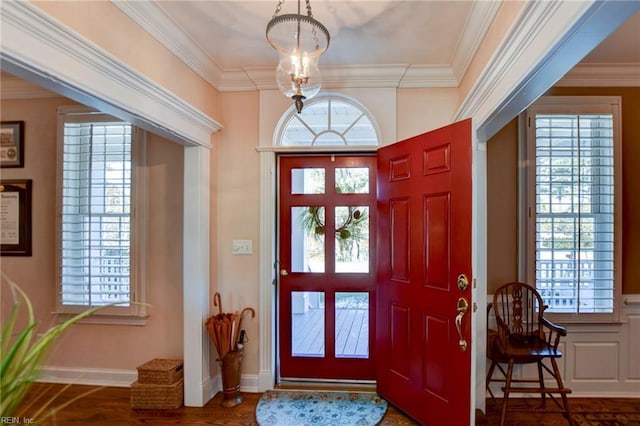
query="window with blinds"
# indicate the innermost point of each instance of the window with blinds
(96, 202)
(96, 213)
(574, 225)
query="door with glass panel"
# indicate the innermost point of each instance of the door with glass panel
(326, 289)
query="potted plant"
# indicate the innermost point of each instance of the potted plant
(22, 349)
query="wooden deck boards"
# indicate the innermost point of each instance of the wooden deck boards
(352, 333)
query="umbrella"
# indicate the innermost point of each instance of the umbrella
(224, 328)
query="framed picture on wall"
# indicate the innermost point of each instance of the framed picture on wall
(15, 217)
(12, 144)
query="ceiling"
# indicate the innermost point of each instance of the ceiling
(374, 43)
(393, 43)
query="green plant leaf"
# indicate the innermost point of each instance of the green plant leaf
(22, 355)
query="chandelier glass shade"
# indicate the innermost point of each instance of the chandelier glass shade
(299, 40)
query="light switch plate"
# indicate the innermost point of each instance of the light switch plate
(242, 247)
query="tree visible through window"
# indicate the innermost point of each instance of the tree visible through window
(574, 194)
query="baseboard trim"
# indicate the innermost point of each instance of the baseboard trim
(124, 379)
(89, 376)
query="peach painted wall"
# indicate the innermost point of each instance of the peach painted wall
(105, 25)
(238, 216)
(502, 204)
(421, 110)
(91, 345)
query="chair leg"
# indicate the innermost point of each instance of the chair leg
(505, 390)
(541, 381)
(565, 400)
(488, 380)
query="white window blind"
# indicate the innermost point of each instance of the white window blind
(575, 212)
(96, 217)
(572, 243)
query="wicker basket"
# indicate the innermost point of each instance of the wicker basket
(161, 371)
(149, 395)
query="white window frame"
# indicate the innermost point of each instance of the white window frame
(135, 313)
(527, 214)
(291, 114)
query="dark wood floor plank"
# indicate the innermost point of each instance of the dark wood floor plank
(111, 407)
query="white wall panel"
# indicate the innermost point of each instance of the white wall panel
(633, 365)
(595, 361)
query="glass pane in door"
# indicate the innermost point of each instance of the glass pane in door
(352, 180)
(307, 323)
(307, 181)
(352, 239)
(307, 239)
(352, 325)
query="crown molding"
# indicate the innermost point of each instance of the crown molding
(355, 76)
(478, 23)
(46, 52)
(150, 17)
(382, 76)
(248, 79)
(602, 75)
(429, 76)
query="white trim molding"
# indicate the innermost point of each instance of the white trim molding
(631, 301)
(267, 375)
(547, 40)
(125, 378)
(44, 51)
(195, 275)
(88, 376)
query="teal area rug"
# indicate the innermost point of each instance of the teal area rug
(306, 408)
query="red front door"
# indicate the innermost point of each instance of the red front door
(326, 296)
(424, 245)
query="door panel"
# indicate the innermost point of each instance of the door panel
(400, 232)
(436, 243)
(326, 292)
(424, 243)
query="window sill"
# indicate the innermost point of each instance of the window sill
(593, 326)
(106, 319)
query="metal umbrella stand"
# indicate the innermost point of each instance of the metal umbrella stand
(225, 330)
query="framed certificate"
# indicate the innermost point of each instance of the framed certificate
(15, 217)
(12, 144)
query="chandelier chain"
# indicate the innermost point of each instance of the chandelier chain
(278, 8)
(309, 13)
(313, 29)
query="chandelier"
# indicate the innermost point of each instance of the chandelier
(299, 40)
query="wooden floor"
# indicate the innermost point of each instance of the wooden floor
(111, 407)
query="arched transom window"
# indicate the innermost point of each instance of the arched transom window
(329, 121)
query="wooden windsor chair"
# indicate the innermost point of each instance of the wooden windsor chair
(524, 336)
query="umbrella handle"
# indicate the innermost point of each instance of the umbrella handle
(253, 315)
(253, 312)
(217, 301)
